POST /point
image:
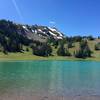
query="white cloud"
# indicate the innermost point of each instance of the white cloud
(52, 22)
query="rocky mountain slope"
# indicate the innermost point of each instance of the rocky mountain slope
(33, 32)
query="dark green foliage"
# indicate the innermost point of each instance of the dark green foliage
(84, 50)
(5, 52)
(9, 37)
(97, 46)
(62, 51)
(53, 42)
(68, 53)
(27, 49)
(70, 45)
(79, 38)
(90, 38)
(42, 50)
(48, 50)
(74, 39)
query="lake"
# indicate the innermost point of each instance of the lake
(49, 80)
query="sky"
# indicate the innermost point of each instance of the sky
(72, 17)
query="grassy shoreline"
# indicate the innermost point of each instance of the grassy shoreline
(29, 57)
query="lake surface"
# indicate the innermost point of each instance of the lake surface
(40, 80)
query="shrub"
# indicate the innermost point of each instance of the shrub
(97, 46)
(42, 50)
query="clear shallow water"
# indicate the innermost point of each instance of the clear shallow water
(60, 78)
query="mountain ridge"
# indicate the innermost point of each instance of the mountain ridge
(33, 32)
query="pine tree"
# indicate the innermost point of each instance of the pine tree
(61, 51)
(84, 50)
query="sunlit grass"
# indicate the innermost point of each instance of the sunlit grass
(29, 56)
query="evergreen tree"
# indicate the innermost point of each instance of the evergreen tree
(84, 50)
(70, 45)
(68, 53)
(61, 51)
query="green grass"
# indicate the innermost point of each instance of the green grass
(26, 56)
(30, 56)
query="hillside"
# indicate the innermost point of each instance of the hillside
(32, 32)
(13, 36)
(95, 55)
(37, 42)
(29, 56)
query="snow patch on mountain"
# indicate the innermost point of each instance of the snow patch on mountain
(25, 28)
(42, 32)
(52, 33)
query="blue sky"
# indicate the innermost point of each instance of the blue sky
(73, 17)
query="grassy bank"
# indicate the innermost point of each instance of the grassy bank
(30, 56)
(27, 56)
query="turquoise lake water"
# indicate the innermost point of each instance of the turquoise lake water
(50, 77)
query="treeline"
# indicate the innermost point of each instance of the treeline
(79, 38)
(83, 51)
(10, 40)
(62, 47)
